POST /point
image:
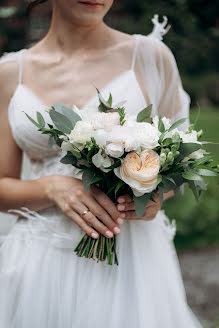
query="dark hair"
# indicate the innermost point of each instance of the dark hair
(34, 4)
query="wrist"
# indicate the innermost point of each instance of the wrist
(46, 185)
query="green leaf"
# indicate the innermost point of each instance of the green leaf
(32, 120)
(110, 99)
(145, 114)
(207, 173)
(188, 175)
(118, 186)
(170, 179)
(96, 179)
(61, 122)
(167, 141)
(51, 142)
(185, 149)
(102, 100)
(67, 112)
(87, 178)
(192, 186)
(159, 179)
(141, 203)
(161, 126)
(69, 159)
(177, 123)
(40, 120)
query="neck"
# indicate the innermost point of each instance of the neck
(68, 36)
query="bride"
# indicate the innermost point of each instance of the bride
(42, 281)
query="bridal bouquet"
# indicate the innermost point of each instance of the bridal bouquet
(123, 154)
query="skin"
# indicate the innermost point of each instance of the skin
(76, 42)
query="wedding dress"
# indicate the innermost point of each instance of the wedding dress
(42, 281)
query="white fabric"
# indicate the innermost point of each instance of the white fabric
(42, 282)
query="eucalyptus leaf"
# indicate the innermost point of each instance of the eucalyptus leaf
(188, 175)
(32, 120)
(61, 122)
(67, 112)
(207, 173)
(145, 114)
(141, 203)
(192, 186)
(51, 142)
(177, 123)
(69, 159)
(40, 120)
(87, 178)
(185, 149)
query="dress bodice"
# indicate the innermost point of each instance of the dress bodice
(45, 161)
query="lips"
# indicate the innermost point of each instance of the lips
(91, 3)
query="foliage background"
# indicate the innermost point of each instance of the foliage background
(193, 39)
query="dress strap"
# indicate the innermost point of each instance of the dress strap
(20, 65)
(134, 51)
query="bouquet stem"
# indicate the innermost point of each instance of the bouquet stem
(98, 249)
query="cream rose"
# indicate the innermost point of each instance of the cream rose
(140, 171)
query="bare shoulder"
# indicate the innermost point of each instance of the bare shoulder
(9, 71)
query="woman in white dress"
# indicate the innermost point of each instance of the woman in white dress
(42, 281)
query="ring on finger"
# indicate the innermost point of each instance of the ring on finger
(85, 212)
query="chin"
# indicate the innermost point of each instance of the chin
(84, 12)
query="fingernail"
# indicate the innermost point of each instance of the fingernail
(109, 233)
(121, 200)
(120, 221)
(116, 230)
(122, 215)
(121, 207)
(94, 235)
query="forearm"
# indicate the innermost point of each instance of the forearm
(16, 193)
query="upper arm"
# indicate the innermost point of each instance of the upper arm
(10, 153)
(161, 78)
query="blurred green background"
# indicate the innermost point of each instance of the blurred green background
(193, 39)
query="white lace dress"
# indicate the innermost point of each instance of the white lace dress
(42, 281)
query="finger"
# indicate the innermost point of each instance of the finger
(126, 206)
(108, 226)
(81, 223)
(124, 199)
(131, 215)
(106, 203)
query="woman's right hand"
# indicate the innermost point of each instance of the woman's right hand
(68, 193)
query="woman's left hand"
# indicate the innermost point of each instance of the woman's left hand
(127, 207)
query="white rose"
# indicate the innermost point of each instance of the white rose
(123, 135)
(115, 150)
(102, 161)
(146, 134)
(105, 120)
(81, 133)
(100, 137)
(140, 171)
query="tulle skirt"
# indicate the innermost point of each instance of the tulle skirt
(43, 284)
